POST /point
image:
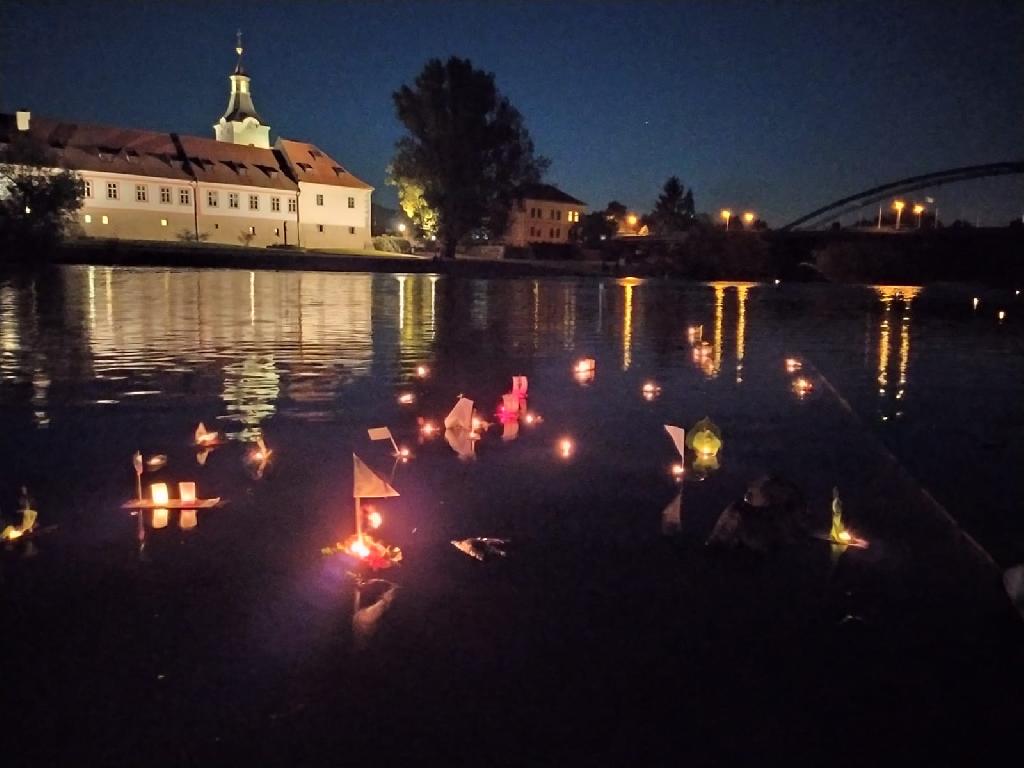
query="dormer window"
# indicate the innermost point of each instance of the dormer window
(338, 170)
(305, 166)
(315, 153)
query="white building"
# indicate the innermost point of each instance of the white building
(543, 214)
(234, 189)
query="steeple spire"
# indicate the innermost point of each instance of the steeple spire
(241, 123)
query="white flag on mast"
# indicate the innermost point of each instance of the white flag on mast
(678, 435)
(367, 484)
(379, 433)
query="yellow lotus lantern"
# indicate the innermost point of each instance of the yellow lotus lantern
(705, 438)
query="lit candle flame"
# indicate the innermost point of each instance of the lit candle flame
(678, 470)
(359, 549)
(407, 398)
(374, 520)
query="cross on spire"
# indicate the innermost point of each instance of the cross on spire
(238, 42)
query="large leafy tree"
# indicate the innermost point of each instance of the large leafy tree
(467, 148)
(674, 211)
(38, 200)
(413, 204)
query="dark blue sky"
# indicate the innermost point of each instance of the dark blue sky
(772, 106)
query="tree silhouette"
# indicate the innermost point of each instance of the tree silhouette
(674, 211)
(467, 148)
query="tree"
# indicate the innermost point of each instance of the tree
(413, 204)
(674, 211)
(594, 228)
(616, 210)
(467, 148)
(38, 200)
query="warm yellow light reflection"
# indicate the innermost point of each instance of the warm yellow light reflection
(422, 371)
(793, 365)
(627, 327)
(407, 398)
(160, 518)
(427, 429)
(158, 492)
(188, 519)
(631, 219)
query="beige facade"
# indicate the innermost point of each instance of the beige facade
(544, 214)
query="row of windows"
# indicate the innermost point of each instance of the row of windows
(212, 197)
(539, 232)
(252, 230)
(555, 214)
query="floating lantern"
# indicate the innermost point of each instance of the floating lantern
(705, 438)
(205, 438)
(704, 463)
(974, 301)
(1002, 315)
(160, 518)
(838, 534)
(777, 281)
(585, 370)
(406, 398)
(158, 461)
(187, 492)
(694, 334)
(427, 429)
(158, 492)
(374, 519)
(532, 418)
(793, 365)
(520, 386)
(802, 387)
(650, 391)
(422, 371)
(188, 519)
(565, 448)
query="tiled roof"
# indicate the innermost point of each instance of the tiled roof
(547, 192)
(309, 163)
(104, 148)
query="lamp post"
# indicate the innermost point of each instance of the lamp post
(898, 205)
(748, 218)
(726, 214)
(918, 209)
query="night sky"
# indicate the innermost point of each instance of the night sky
(774, 107)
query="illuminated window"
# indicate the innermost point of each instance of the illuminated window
(212, 199)
(320, 227)
(185, 196)
(254, 202)
(232, 200)
(252, 230)
(351, 230)
(351, 202)
(111, 191)
(319, 199)
(88, 218)
(293, 205)
(141, 193)
(105, 220)
(275, 203)
(165, 194)
(163, 222)
(88, 188)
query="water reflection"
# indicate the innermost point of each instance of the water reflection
(894, 299)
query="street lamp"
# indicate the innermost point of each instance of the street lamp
(726, 214)
(631, 220)
(748, 218)
(918, 209)
(898, 205)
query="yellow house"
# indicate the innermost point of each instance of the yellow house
(543, 214)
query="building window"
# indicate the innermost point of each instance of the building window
(212, 199)
(351, 202)
(165, 194)
(141, 194)
(558, 233)
(105, 220)
(320, 227)
(232, 200)
(185, 196)
(552, 234)
(319, 199)
(254, 202)
(275, 203)
(88, 218)
(88, 188)
(351, 230)
(293, 205)
(111, 190)
(277, 231)
(163, 222)
(252, 230)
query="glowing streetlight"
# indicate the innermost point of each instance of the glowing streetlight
(918, 210)
(726, 214)
(899, 205)
(748, 218)
(401, 228)
(632, 220)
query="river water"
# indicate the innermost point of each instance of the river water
(234, 621)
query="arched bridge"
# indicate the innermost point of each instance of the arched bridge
(852, 203)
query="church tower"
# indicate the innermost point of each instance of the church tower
(240, 123)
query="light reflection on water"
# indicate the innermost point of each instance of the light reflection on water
(250, 347)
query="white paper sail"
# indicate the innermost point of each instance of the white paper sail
(365, 620)
(200, 432)
(678, 435)
(137, 462)
(366, 484)
(461, 441)
(510, 403)
(519, 385)
(671, 516)
(461, 416)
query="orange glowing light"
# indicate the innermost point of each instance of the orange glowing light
(359, 549)
(427, 429)
(374, 520)
(565, 447)
(845, 536)
(158, 491)
(1002, 315)
(160, 518)
(154, 463)
(530, 418)
(407, 398)
(802, 386)
(793, 365)
(422, 371)
(403, 452)
(632, 219)
(694, 333)
(748, 217)
(585, 365)
(678, 470)
(187, 492)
